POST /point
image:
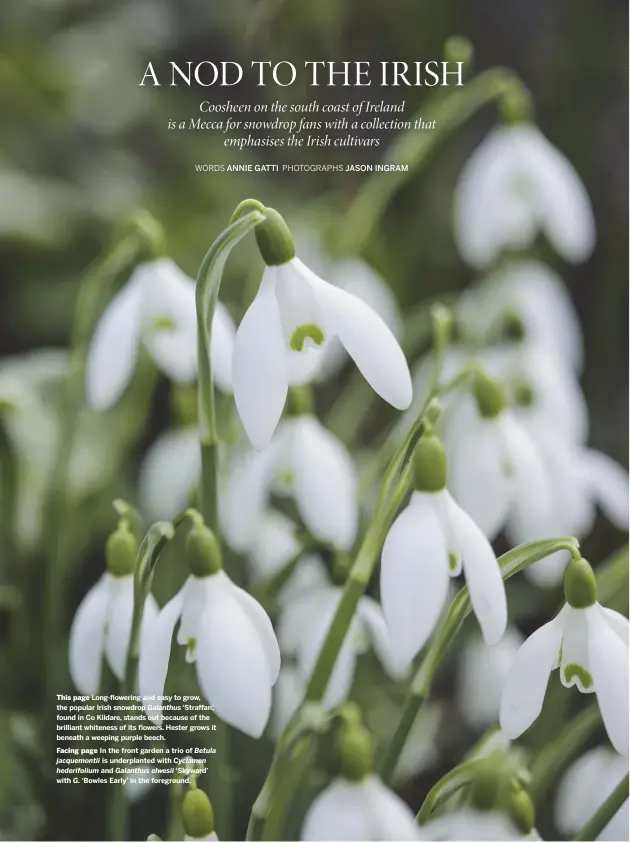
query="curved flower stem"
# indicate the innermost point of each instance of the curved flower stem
(449, 110)
(598, 822)
(139, 240)
(207, 293)
(447, 786)
(156, 539)
(510, 563)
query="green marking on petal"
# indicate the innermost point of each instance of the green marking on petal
(576, 671)
(164, 323)
(304, 332)
(191, 647)
(452, 561)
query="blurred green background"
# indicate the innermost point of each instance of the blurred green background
(81, 145)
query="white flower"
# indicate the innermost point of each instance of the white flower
(306, 459)
(590, 646)
(229, 637)
(585, 787)
(169, 473)
(468, 824)
(102, 626)
(481, 676)
(514, 185)
(304, 624)
(156, 309)
(497, 447)
(359, 810)
(535, 295)
(283, 333)
(432, 540)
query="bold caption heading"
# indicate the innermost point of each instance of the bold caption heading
(393, 74)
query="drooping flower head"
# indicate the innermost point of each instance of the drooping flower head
(432, 540)
(357, 805)
(155, 309)
(102, 624)
(588, 644)
(227, 635)
(293, 317)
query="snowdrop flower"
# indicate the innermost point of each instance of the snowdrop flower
(467, 825)
(227, 634)
(292, 319)
(527, 301)
(432, 540)
(197, 814)
(357, 805)
(156, 309)
(514, 185)
(481, 676)
(303, 626)
(589, 644)
(485, 439)
(314, 466)
(585, 787)
(102, 624)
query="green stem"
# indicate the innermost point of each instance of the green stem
(510, 563)
(413, 148)
(598, 822)
(93, 292)
(287, 786)
(148, 554)
(207, 293)
(447, 786)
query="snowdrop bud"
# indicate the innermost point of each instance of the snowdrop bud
(489, 395)
(356, 752)
(274, 239)
(429, 464)
(458, 48)
(121, 551)
(521, 809)
(484, 788)
(197, 814)
(580, 587)
(202, 552)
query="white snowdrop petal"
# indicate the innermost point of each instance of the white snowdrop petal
(527, 679)
(608, 482)
(483, 575)
(275, 544)
(259, 371)
(388, 815)
(222, 348)
(169, 319)
(114, 347)
(414, 579)
(155, 652)
(245, 496)
(324, 483)
(368, 340)
(169, 473)
(566, 209)
(287, 695)
(476, 452)
(548, 572)
(118, 623)
(584, 788)
(608, 661)
(337, 813)
(261, 622)
(574, 660)
(87, 637)
(371, 614)
(617, 622)
(232, 664)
